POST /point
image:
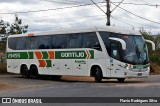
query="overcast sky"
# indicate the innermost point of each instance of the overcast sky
(82, 16)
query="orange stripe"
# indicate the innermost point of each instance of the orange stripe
(38, 55)
(51, 54)
(42, 63)
(88, 54)
(31, 34)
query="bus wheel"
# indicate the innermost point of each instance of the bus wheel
(34, 72)
(24, 71)
(56, 77)
(98, 75)
(120, 80)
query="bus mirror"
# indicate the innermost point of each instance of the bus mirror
(153, 44)
(123, 43)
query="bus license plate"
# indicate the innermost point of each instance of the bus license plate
(139, 74)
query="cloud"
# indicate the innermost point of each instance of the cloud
(83, 16)
(19, 1)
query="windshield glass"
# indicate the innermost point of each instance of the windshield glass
(136, 49)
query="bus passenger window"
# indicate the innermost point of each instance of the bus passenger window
(21, 43)
(32, 43)
(90, 40)
(59, 41)
(12, 43)
(74, 41)
(44, 42)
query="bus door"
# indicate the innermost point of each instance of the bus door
(115, 64)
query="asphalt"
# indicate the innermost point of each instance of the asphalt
(80, 87)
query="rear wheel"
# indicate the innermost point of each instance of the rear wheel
(98, 75)
(121, 80)
(34, 72)
(24, 71)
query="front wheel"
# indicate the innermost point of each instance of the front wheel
(121, 80)
(98, 75)
(34, 72)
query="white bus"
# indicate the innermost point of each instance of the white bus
(107, 52)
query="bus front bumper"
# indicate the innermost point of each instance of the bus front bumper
(137, 73)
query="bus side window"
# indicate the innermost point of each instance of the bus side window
(32, 43)
(74, 41)
(115, 51)
(44, 42)
(90, 40)
(21, 43)
(12, 43)
(59, 41)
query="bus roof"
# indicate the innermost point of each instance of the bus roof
(80, 30)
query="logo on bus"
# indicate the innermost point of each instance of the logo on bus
(88, 54)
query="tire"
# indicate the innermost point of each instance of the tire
(56, 77)
(24, 71)
(98, 75)
(120, 80)
(34, 72)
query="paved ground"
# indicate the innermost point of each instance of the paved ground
(79, 87)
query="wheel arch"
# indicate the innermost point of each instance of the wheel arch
(33, 65)
(92, 71)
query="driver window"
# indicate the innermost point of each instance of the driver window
(115, 51)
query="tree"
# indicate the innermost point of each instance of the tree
(3, 28)
(17, 27)
(7, 29)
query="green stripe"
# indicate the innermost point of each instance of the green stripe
(49, 63)
(31, 56)
(92, 54)
(20, 55)
(45, 55)
(58, 55)
(140, 66)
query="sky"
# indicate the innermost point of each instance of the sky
(59, 17)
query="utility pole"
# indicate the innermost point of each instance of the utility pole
(108, 13)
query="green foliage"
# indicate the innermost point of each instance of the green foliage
(3, 28)
(153, 55)
(17, 27)
(2, 46)
(7, 29)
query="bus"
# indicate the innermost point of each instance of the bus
(102, 53)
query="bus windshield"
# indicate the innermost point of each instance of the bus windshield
(136, 51)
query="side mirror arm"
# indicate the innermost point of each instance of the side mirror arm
(153, 44)
(123, 43)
